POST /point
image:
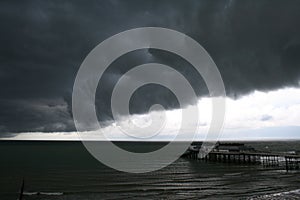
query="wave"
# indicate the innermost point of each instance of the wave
(293, 194)
(43, 193)
(234, 174)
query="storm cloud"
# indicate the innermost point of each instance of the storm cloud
(255, 44)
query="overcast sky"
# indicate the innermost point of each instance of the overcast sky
(254, 43)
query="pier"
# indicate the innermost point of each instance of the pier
(247, 157)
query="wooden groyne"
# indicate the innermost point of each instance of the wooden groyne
(280, 160)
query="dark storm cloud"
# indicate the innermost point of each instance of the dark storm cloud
(255, 44)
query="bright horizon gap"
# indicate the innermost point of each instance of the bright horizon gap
(222, 140)
(272, 115)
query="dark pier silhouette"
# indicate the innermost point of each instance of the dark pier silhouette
(237, 153)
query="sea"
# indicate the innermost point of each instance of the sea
(61, 170)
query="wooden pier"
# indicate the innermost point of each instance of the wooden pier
(280, 160)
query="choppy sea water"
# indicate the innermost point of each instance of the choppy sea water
(65, 170)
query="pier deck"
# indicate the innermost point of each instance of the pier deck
(288, 161)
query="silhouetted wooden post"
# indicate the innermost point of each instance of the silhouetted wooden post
(22, 190)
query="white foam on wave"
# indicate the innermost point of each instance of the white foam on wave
(29, 193)
(279, 195)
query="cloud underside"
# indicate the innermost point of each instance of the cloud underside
(260, 115)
